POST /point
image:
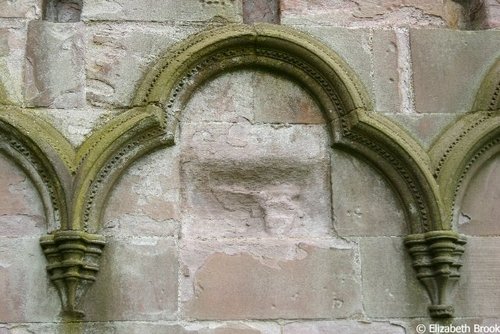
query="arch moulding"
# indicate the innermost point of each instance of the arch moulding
(75, 183)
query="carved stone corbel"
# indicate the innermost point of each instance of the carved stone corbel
(437, 260)
(73, 262)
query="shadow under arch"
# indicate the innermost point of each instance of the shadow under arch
(354, 126)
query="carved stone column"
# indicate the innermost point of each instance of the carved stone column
(437, 260)
(73, 262)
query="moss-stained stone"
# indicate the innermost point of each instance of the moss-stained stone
(12, 52)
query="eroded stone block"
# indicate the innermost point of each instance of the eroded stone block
(12, 51)
(137, 281)
(114, 50)
(255, 180)
(29, 9)
(386, 77)
(449, 66)
(363, 13)
(270, 280)
(162, 10)
(145, 201)
(55, 65)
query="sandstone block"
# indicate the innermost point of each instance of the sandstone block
(235, 328)
(145, 201)
(478, 292)
(253, 96)
(137, 281)
(363, 13)
(162, 10)
(270, 280)
(12, 51)
(386, 79)
(27, 293)
(29, 9)
(441, 61)
(390, 285)
(492, 14)
(363, 202)
(261, 11)
(118, 56)
(21, 209)
(255, 180)
(50, 80)
(344, 326)
(479, 210)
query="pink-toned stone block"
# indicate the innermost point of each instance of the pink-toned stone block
(137, 281)
(270, 280)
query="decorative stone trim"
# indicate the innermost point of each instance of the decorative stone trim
(73, 263)
(437, 261)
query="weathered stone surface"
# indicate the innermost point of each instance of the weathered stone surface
(391, 288)
(363, 13)
(363, 202)
(270, 280)
(479, 210)
(55, 81)
(29, 9)
(261, 11)
(252, 96)
(137, 281)
(27, 294)
(478, 292)
(12, 51)
(255, 180)
(344, 327)
(492, 14)
(134, 327)
(386, 79)
(145, 202)
(21, 209)
(424, 128)
(163, 10)
(449, 66)
(118, 56)
(353, 45)
(475, 325)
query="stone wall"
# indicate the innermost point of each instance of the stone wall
(251, 223)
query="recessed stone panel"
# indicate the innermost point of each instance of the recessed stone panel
(255, 180)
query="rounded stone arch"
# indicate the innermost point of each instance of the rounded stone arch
(468, 144)
(341, 96)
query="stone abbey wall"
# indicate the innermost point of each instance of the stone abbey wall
(249, 167)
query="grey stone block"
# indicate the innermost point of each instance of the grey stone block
(449, 66)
